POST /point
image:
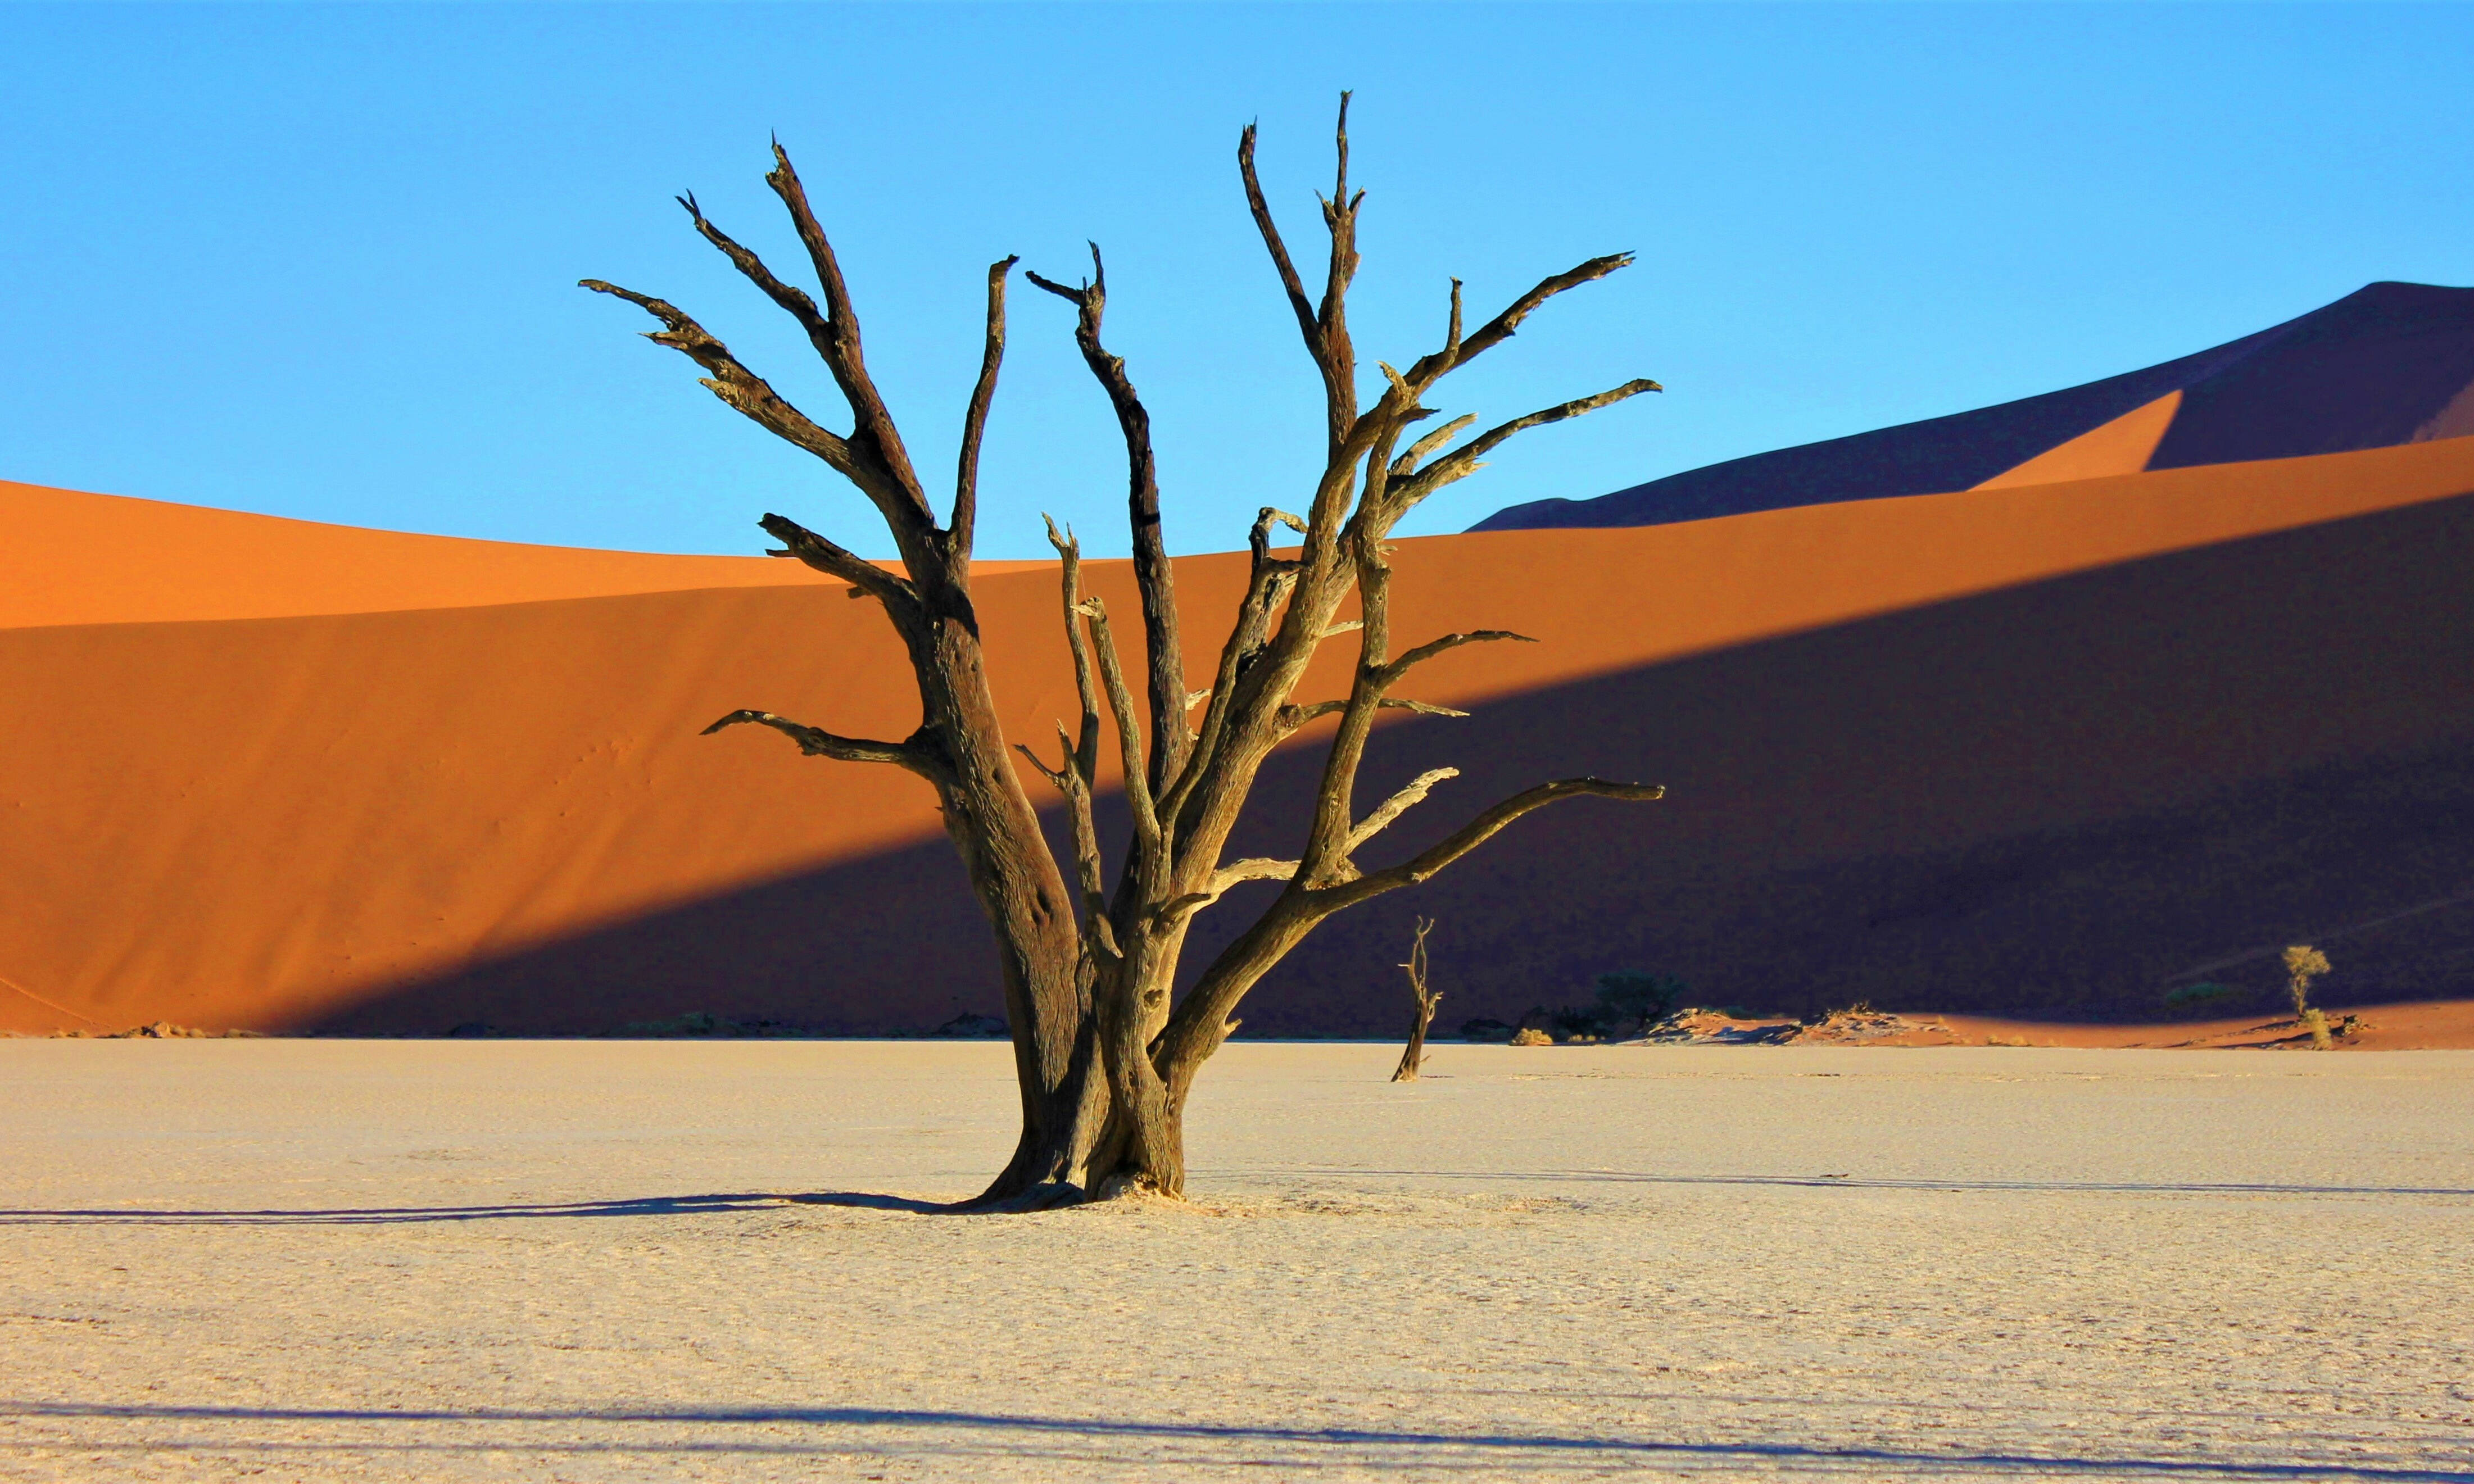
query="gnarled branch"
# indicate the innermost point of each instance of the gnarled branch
(872, 425)
(1478, 832)
(1164, 653)
(1267, 584)
(737, 387)
(974, 419)
(1450, 642)
(1464, 461)
(1324, 326)
(898, 595)
(1294, 717)
(1081, 752)
(1279, 249)
(1407, 463)
(1252, 868)
(817, 743)
(1458, 352)
(1121, 704)
(1411, 793)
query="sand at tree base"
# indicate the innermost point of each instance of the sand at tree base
(561, 1260)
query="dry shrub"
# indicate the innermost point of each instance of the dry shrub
(2304, 964)
(1532, 1036)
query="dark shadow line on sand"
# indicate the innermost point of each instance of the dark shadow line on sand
(1854, 1182)
(392, 1215)
(706, 1205)
(871, 1416)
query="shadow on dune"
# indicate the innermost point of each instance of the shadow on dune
(1499, 1447)
(2053, 800)
(2389, 363)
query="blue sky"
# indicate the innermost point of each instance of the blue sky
(320, 262)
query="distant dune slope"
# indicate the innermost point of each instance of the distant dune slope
(2390, 363)
(2020, 750)
(75, 558)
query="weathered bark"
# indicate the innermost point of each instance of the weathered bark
(1422, 1000)
(1105, 1056)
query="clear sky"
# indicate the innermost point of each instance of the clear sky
(320, 262)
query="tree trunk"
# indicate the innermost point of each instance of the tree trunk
(1422, 1010)
(996, 831)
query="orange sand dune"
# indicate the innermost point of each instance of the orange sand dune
(76, 558)
(2445, 1025)
(2121, 446)
(401, 783)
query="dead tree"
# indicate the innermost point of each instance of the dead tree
(1422, 1003)
(1105, 1057)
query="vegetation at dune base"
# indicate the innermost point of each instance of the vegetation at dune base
(1105, 1057)
(2304, 964)
(2198, 993)
(1629, 1002)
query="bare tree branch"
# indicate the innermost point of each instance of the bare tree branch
(1340, 221)
(1464, 461)
(792, 300)
(1129, 736)
(1164, 652)
(1407, 463)
(1061, 779)
(833, 560)
(1325, 855)
(737, 385)
(1087, 871)
(1279, 250)
(872, 425)
(1458, 352)
(1082, 753)
(1478, 832)
(817, 742)
(1267, 586)
(1412, 794)
(1253, 869)
(1294, 717)
(975, 419)
(1450, 642)
(1325, 326)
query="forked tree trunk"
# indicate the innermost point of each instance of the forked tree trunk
(1421, 1009)
(1104, 1056)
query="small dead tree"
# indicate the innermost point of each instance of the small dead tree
(1422, 1003)
(2304, 964)
(1104, 1056)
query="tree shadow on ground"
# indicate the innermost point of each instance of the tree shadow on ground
(400, 1215)
(768, 1201)
(1500, 1448)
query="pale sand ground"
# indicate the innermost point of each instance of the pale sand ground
(572, 1261)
